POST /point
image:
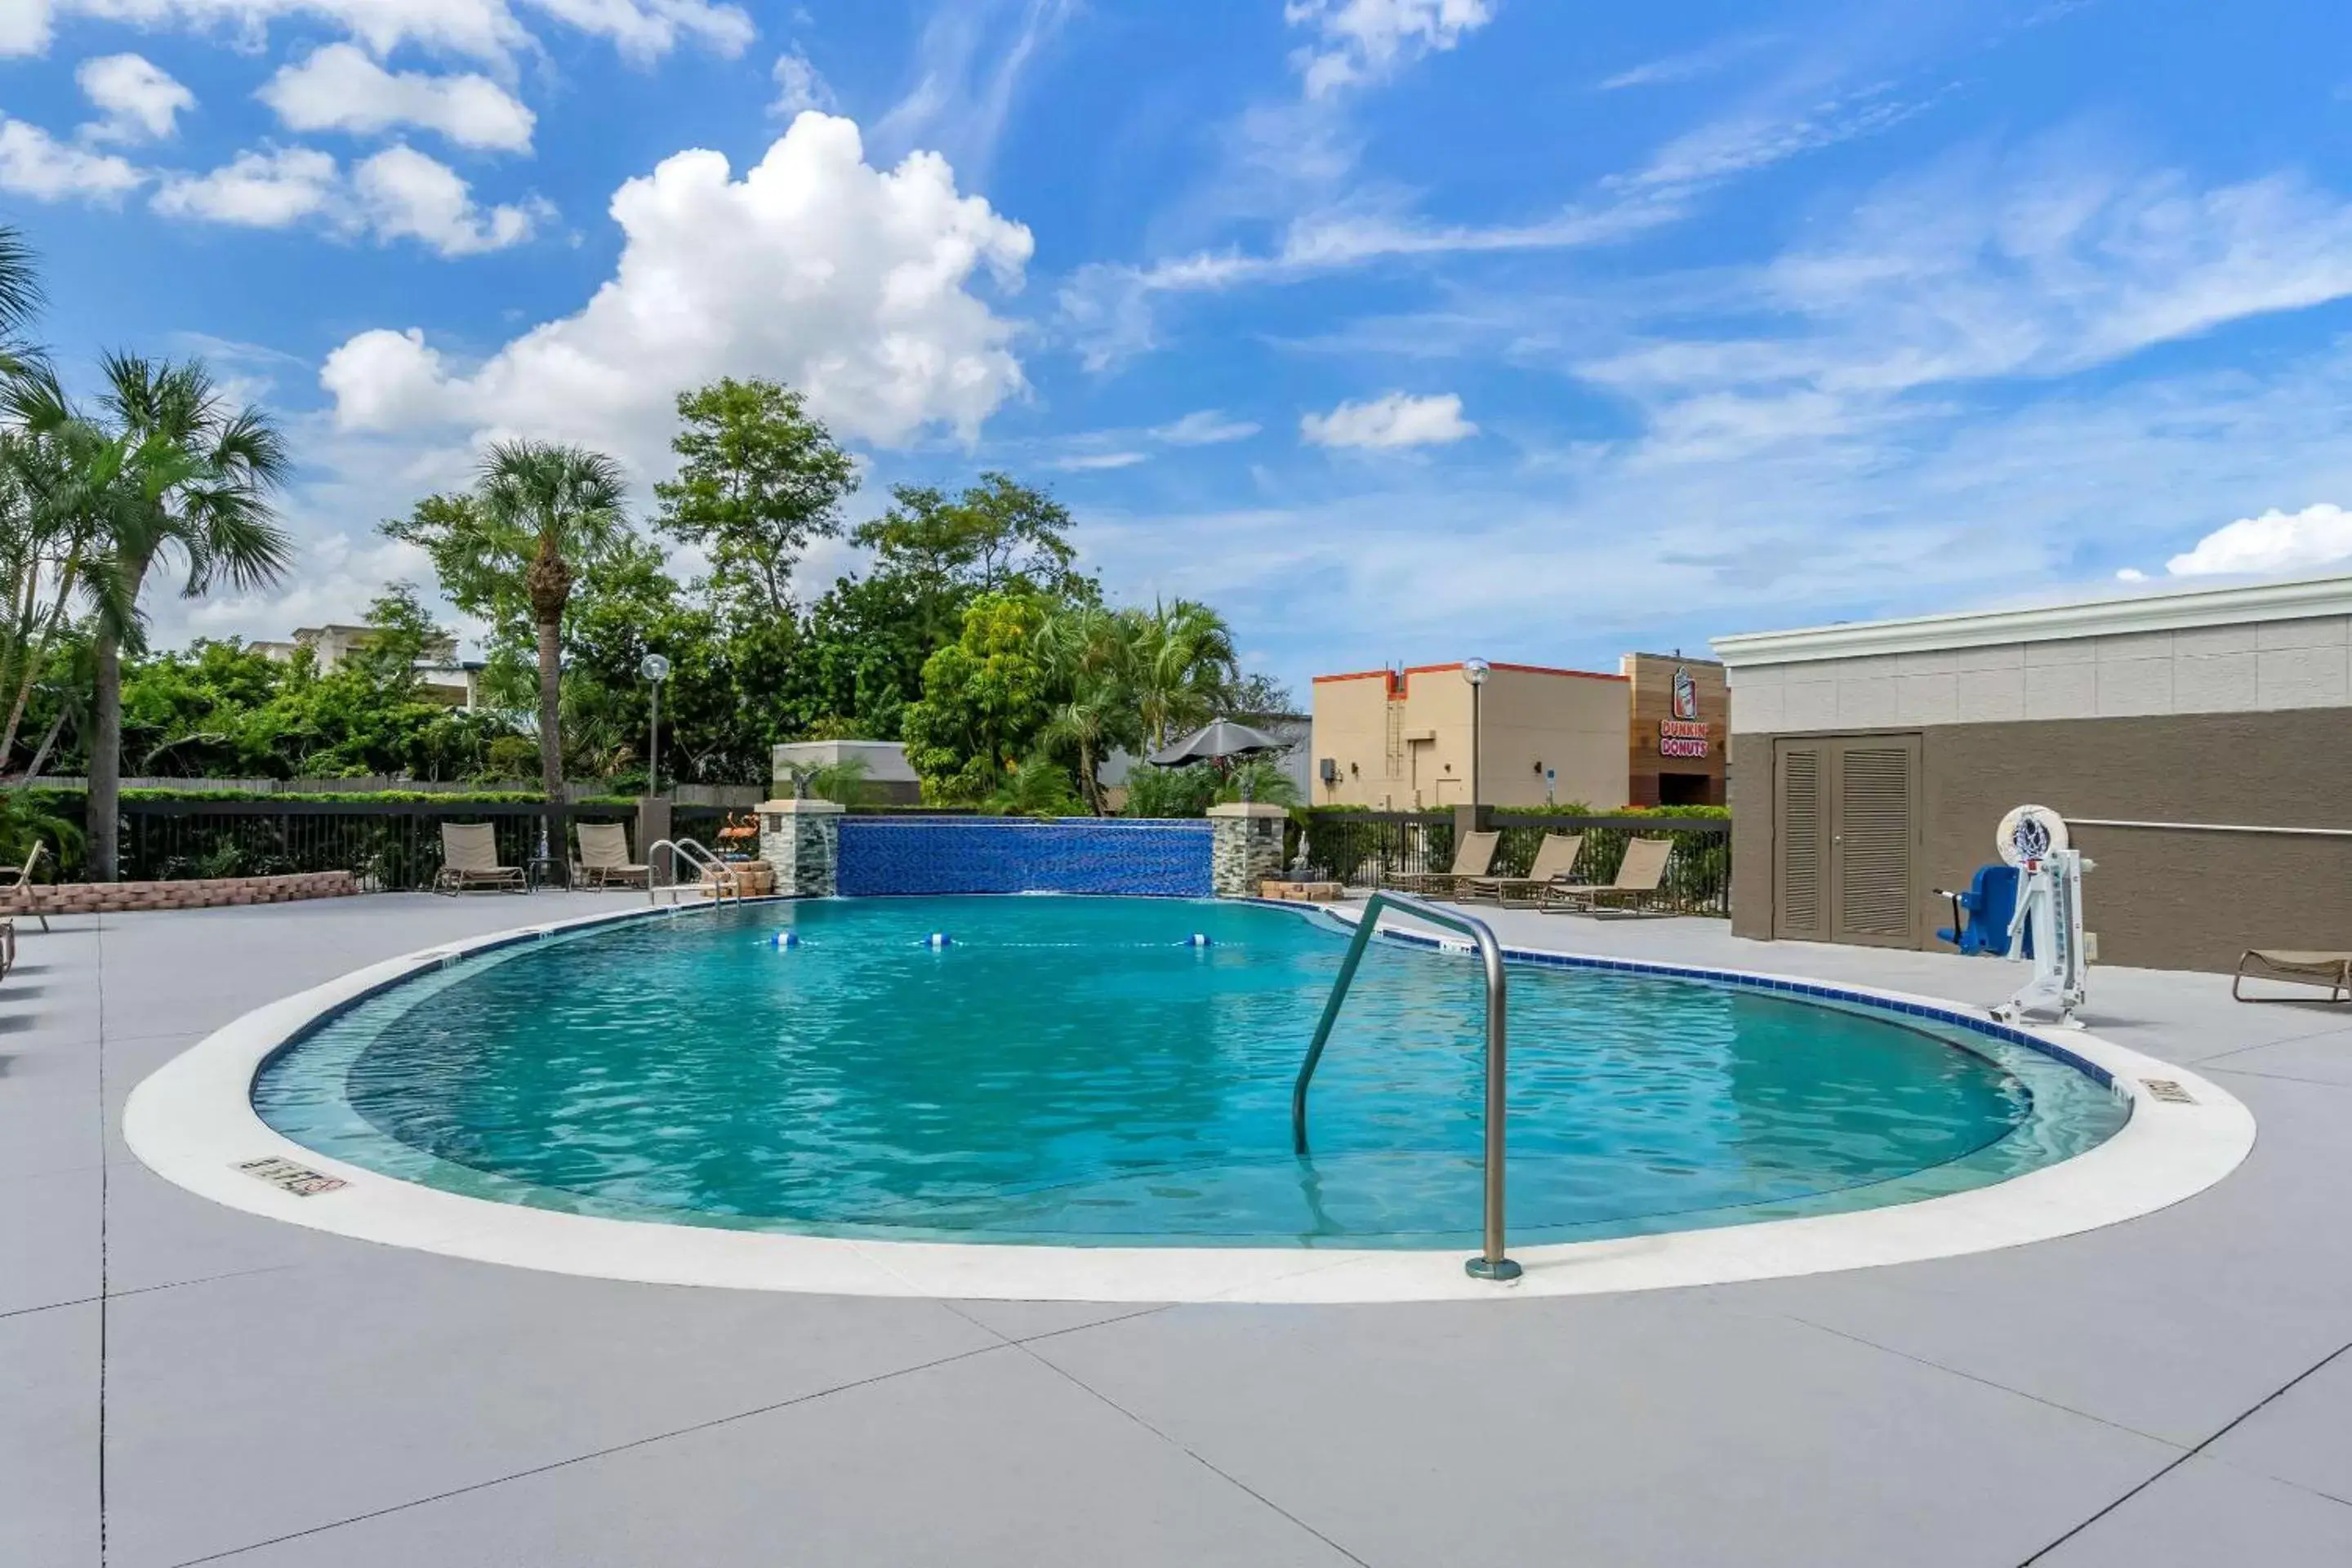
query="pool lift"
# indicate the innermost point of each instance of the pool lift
(2048, 920)
(1492, 1263)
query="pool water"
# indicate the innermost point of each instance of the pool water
(1075, 1070)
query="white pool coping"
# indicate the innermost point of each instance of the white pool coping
(193, 1122)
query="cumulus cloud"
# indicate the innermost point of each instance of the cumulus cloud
(268, 188)
(850, 282)
(1390, 422)
(136, 100)
(1205, 428)
(2277, 540)
(798, 86)
(398, 194)
(36, 164)
(1364, 40)
(475, 29)
(339, 88)
(406, 195)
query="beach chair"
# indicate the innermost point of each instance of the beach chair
(604, 857)
(2333, 970)
(20, 897)
(1555, 864)
(469, 858)
(1639, 876)
(1473, 857)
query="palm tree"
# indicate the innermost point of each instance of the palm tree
(543, 506)
(168, 467)
(1086, 655)
(20, 296)
(1182, 664)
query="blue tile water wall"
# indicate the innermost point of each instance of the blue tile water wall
(882, 855)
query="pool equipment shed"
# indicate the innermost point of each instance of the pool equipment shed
(2198, 744)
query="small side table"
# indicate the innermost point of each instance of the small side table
(542, 871)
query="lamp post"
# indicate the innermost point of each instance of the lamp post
(1475, 672)
(655, 668)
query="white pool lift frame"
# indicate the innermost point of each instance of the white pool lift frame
(2034, 839)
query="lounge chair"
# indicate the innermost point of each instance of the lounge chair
(469, 858)
(1639, 875)
(604, 857)
(2333, 970)
(20, 897)
(1473, 857)
(1554, 864)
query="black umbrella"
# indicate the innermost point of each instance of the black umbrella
(1215, 743)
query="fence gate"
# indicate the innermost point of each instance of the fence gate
(1845, 834)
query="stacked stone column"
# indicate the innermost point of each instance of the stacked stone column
(1244, 847)
(802, 839)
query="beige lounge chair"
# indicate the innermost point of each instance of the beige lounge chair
(2333, 970)
(469, 858)
(1554, 864)
(1639, 875)
(20, 897)
(604, 857)
(1473, 857)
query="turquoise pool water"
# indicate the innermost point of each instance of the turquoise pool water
(1070, 1069)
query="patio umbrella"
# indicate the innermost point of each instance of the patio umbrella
(1214, 744)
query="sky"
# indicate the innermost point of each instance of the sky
(1401, 330)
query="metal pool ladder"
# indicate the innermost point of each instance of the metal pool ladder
(1490, 1262)
(704, 864)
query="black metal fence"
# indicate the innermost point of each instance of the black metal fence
(1375, 848)
(388, 845)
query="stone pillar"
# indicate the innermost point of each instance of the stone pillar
(1244, 847)
(801, 840)
(653, 822)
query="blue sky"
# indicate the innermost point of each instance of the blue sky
(1402, 330)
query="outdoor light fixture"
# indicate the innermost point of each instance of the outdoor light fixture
(1475, 672)
(655, 668)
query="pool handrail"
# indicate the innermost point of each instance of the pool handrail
(705, 864)
(1491, 1263)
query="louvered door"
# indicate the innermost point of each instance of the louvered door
(1874, 831)
(1800, 838)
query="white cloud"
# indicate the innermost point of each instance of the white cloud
(1390, 422)
(849, 282)
(138, 100)
(487, 30)
(406, 195)
(969, 63)
(35, 163)
(1364, 40)
(271, 188)
(1205, 428)
(398, 194)
(1090, 462)
(1689, 65)
(2277, 540)
(798, 86)
(339, 88)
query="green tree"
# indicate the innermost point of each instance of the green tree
(168, 468)
(1182, 661)
(537, 509)
(1085, 653)
(986, 696)
(20, 298)
(757, 479)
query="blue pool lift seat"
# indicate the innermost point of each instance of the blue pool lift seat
(1981, 916)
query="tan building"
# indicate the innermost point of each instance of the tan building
(1682, 730)
(2197, 743)
(1401, 740)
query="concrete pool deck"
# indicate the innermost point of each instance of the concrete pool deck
(181, 1382)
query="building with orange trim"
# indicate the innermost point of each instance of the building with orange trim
(1401, 740)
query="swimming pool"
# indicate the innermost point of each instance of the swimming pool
(1076, 1071)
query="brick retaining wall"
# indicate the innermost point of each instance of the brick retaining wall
(195, 893)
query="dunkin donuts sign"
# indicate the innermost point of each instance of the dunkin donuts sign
(1684, 735)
